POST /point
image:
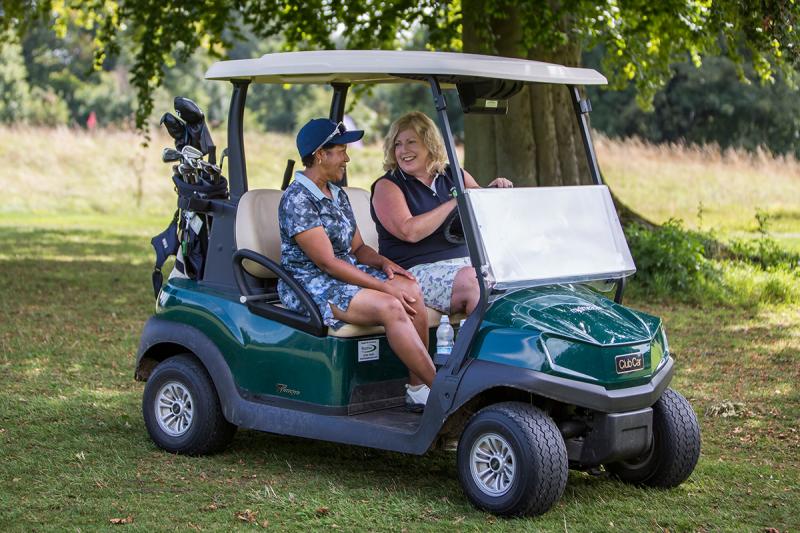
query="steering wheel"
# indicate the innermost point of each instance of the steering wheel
(453, 231)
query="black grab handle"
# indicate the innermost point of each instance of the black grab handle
(311, 323)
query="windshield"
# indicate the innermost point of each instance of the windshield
(542, 235)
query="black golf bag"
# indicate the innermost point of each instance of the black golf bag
(186, 237)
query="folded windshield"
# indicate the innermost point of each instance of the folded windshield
(542, 235)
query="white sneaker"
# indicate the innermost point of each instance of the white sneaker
(417, 397)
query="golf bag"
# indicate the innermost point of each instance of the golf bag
(196, 183)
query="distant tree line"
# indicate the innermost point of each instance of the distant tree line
(706, 105)
(48, 79)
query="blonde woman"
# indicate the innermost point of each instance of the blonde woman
(409, 206)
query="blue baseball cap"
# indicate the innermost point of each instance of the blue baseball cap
(321, 131)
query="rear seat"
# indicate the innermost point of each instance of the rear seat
(257, 230)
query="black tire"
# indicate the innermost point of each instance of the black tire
(185, 388)
(539, 466)
(675, 448)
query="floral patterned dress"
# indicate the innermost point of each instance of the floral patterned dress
(302, 207)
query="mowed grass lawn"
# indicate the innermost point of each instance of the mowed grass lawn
(76, 265)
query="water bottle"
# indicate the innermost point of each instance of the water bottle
(444, 337)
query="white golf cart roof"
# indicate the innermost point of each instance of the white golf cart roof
(387, 66)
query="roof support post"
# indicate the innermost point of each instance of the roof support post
(582, 108)
(450, 376)
(337, 113)
(237, 169)
(338, 101)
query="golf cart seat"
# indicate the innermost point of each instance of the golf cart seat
(257, 230)
(360, 201)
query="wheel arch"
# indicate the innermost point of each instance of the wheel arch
(493, 394)
(162, 339)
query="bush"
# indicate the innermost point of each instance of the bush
(689, 266)
(669, 259)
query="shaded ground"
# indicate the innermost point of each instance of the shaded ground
(76, 453)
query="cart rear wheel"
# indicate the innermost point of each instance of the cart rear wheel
(181, 409)
(512, 460)
(675, 447)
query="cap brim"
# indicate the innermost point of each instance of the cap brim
(347, 137)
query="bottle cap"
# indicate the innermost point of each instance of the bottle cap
(444, 319)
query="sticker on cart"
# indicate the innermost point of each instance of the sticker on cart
(368, 350)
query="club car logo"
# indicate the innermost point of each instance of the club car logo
(284, 389)
(629, 363)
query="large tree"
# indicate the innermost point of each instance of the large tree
(642, 39)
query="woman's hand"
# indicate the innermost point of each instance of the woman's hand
(390, 268)
(501, 183)
(401, 295)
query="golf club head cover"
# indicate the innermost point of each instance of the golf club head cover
(188, 111)
(176, 129)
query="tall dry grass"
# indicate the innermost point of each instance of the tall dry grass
(63, 172)
(727, 186)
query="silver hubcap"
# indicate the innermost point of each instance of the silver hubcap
(174, 409)
(492, 464)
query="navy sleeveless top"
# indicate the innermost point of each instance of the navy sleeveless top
(420, 199)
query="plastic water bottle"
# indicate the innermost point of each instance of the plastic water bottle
(444, 337)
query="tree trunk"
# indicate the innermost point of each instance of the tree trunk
(538, 143)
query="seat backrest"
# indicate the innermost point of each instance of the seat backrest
(257, 228)
(360, 200)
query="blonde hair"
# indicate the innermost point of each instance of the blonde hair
(427, 132)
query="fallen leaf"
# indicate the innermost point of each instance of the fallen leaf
(247, 516)
(127, 520)
(265, 524)
(212, 507)
(195, 527)
(322, 511)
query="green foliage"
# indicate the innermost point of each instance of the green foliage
(692, 266)
(669, 259)
(21, 103)
(703, 106)
(764, 251)
(15, 96)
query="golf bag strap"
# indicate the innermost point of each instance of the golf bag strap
(165, 244)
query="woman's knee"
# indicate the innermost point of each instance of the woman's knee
(466, 280)
(410, 287)
(390, 309)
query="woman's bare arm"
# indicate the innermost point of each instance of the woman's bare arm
(392, 211)
(317, 246)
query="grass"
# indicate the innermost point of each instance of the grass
(76, 292)
(706, 187)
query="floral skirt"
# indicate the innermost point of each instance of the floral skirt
(325, 290)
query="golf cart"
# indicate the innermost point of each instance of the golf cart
(546, 374)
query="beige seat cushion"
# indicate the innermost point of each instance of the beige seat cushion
(257, 228)
(360, 201)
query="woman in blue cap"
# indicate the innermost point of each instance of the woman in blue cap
(322, 249)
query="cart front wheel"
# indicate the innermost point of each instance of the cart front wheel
(181, 409)
(675, 447)
(512, 460)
